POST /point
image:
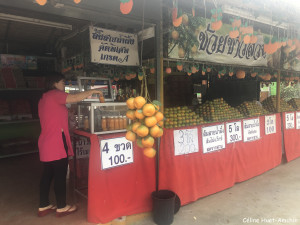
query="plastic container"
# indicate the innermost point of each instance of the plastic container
(163, 207)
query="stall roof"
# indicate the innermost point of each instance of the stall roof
(31, 29)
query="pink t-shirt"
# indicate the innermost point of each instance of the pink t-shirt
(53, 115)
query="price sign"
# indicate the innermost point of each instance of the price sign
(289, 120)
(115, 152)
(83, 146)
(186, 141)
(297, 120)
(270, 124)
(213, 138)
(234, 132)
(251, 129)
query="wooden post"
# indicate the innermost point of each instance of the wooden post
(278, 93)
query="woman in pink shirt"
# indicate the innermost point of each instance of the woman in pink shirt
(55, 143)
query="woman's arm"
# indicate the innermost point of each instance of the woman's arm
(72, 98)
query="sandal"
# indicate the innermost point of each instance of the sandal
(68, 210)
(46, 210)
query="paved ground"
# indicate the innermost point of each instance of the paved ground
(271, 198)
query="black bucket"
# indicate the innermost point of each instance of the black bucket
(163, 207)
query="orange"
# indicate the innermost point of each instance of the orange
(148, 109)
(177, 22)
(161, 132)
(148, 142)
(154, 131)
(130, 103)
(130, 136)
(142, 131)
(130, 114)
(159, 116)
(135, 125)
(161, 123)
(150, 121)
(149, 152)
(139, 114)
(139, 102)
(139, 142)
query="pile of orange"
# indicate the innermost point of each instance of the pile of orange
(146, 124)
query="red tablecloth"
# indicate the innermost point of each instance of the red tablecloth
(291, 140)
(119, 191)
(197, 175)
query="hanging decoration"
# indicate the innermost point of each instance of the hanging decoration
(77, 1)
(126, 6)
(175, 19)
(41, 2)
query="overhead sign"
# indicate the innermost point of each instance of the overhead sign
(113, 47)
(234, 132)
(270, 124)
(213, 138)
(251, 129)
(115, 152)
(186, 141)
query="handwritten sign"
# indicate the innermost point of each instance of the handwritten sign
(270, 124)
(213, 138)
(234, 132)
(289, 120)
(186, 141)
(251, 129)
(115, 152)
(297, 120)
(83, 146)
(112, 47)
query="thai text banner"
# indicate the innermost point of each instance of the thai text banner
(113, 47)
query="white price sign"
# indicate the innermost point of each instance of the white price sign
(115, 152)
(83, 146)
(289, 120)
(186, 141)
(297, 120)
(234, 132)
(251, 129)
(270, 124)
(213, 138)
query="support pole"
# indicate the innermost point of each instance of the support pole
(159, 82)
(278, 93)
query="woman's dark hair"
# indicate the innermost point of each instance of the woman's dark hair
(51, 79)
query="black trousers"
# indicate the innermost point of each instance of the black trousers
(56, 170)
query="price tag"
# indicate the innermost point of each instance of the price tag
(234, 132)
(251, 129)
(289, 120)
(83, 146)
(186, 141)
(297, 120)
(270, 124)
(115, 152)
(213, 138)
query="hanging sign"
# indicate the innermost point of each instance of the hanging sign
(234, 132)
(115, 152)
(186, 141)
(297, 120)
(83, 146)
(270, 124)
(251, 129)
(289, 120)
(112, 47)
(213, 138)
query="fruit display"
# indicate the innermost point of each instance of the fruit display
(251, 108)
(181, 116)
(270, 105)
(218, 110)
(146, 123)
(295, 103)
